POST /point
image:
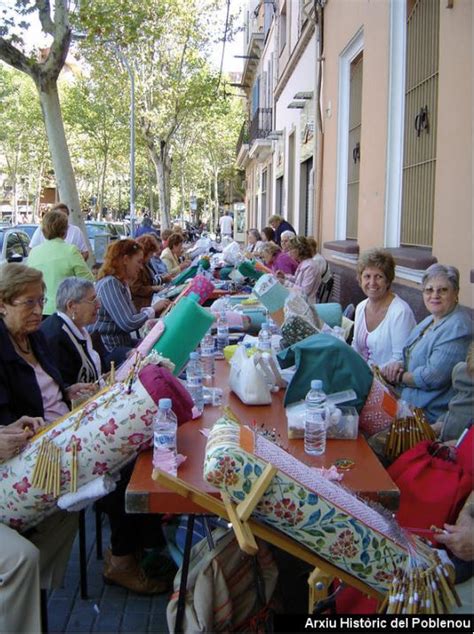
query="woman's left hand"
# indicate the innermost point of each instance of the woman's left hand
(393, 371)
(79, 390)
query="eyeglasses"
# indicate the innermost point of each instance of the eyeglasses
(95, 300)
(31, 303)
(442, 292)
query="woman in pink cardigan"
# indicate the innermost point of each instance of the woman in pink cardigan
(308, 275)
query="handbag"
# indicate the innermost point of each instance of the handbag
(247, 379)
(434, 481)
(227, 590)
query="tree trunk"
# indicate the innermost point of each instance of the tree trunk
(65, 180)
(216, 195)
(161, 179)
(37, 196)
(102, 182)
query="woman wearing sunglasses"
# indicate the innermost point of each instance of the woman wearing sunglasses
(434, 346)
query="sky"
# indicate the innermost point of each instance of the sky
(231, 63)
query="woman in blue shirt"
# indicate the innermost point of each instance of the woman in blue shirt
(435, 345)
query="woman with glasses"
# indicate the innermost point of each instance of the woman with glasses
(383, 321)
(434, 346)
(57, 259)
(30, 382)
(66, 331)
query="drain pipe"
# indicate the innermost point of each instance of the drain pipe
(319, 133)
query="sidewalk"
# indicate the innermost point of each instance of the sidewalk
(109, 608)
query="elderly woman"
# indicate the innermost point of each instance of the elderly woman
(279, 225)
(66, 331)
(307, 276)
(268, 234)
(30, 382)
(55, 258)
(172, 254)
(277, 260)
(254, 242)
(147, 281)
(285, 238)
(31, 385)
(383, 321)
(118, 316)
(434, 346)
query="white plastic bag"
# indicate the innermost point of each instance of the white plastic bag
(247, 379)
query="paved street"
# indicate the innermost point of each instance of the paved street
(109, 608)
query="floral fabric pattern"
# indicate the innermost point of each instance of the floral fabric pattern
(108, 432)
(302, 513)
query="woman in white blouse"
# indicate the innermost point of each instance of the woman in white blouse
(383, 321)
(254, 243)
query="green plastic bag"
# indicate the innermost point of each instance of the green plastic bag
(185, 275)
(332, 361)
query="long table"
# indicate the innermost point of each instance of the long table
(367, 478)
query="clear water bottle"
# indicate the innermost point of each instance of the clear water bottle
(265, 338)
(207, 357)
(222, 333)
(272, 326)
(194, 380)
(316, 418)
(165, 429)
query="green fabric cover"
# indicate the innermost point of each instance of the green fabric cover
(185, 275)
(185, 326)
(330, 313)
(333, 361)
(247, 269)
(225, 272)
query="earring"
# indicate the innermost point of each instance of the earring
(73, 316)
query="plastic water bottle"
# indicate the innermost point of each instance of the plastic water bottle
(207, 357)
(265, 338)
(165, 429)
(222, 332)
(316, 418)
(194, 380)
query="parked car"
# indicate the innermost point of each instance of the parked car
(27, 228)
(123, 229)
(96, 227)
(14, 244)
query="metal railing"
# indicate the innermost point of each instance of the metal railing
(261, 124)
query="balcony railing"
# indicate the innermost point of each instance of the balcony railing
(243, 137)
(261, 124)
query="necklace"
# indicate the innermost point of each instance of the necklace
(28, 347)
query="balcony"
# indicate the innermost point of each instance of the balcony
(260, 128)
(261, 124)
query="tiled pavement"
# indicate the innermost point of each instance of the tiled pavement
(109, 608)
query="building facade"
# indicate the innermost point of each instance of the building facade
(371, 137)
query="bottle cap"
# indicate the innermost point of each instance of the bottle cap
(164, 403)
(316, 384)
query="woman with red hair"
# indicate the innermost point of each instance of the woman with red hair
(147, 282)
(118, 316)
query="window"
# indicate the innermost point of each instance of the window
(306, 192)
(291, 177)
(279, 196)
(263, 211)
(282, 29)
(353, 157)
(421, 111)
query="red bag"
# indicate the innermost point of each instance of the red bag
(160, 383)
(434, 481)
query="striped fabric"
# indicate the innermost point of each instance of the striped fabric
(118, 316)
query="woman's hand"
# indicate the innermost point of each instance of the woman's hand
(459, 539)
(80, 390)
(184, 265)
(280, 275)
(14, 437)
(160, 306)
(166, 278)
(393, 372)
